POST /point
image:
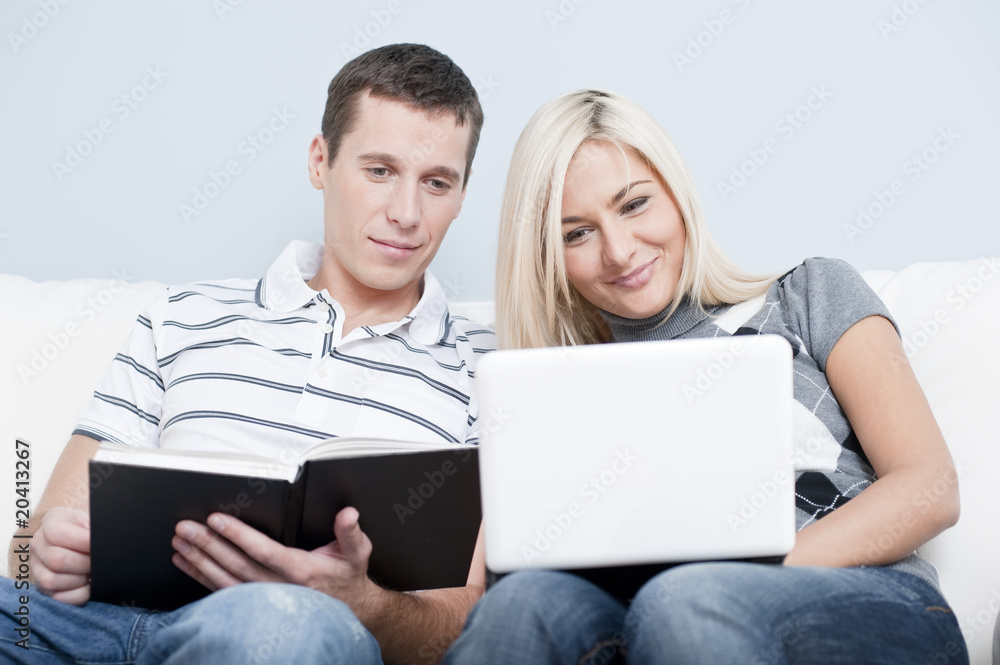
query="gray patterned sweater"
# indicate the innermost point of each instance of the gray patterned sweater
(811, 306)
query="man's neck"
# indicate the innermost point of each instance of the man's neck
(365, 306)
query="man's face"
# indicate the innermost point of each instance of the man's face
(389, 196)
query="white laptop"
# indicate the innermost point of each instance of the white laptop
(641, 453)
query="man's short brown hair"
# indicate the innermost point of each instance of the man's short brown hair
(415, 74)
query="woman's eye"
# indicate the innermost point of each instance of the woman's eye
(635, 204)
(575, 236)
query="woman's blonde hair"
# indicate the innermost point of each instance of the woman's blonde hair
(536, 305)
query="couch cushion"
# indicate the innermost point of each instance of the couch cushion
(57, 338)
(949, 317)
(56, 341)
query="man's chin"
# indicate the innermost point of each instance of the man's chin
(395, 282)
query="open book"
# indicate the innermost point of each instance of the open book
(418, 503)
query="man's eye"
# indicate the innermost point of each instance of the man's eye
(438, 184)
(379, 171)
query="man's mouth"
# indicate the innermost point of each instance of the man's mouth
(395, 248)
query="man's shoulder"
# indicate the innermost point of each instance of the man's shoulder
(218, 287)
(214, 293)
(480, 336)
(198, 302)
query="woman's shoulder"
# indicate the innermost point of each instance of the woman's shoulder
(816, 289)
(822, 281)
(822, 297)
(822, 268)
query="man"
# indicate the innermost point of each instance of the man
(351, 338)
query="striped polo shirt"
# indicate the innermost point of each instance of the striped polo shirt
(265, 367)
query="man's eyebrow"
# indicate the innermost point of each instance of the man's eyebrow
(386, 158)
(378, 157)
(445, 172)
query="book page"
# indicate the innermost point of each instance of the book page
(348, 446)
(228, 463)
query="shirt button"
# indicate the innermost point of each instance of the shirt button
(322, 373)
(326, 328)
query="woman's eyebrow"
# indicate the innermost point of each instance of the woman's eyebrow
(616, 199)
(612, 202)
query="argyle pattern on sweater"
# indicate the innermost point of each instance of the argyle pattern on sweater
(810, 306)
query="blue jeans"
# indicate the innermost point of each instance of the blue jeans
(717, 613)
(247, 624)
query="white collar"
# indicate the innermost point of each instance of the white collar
(284, 288)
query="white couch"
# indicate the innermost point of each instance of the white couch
(57, 338)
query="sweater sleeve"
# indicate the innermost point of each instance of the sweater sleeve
(823, 299)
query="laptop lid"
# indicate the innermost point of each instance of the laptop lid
(637, 453)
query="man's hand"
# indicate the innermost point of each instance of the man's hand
(61, 555)
(228, 552)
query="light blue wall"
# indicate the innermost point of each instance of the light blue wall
(894, 76)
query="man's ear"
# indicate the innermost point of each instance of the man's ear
(317, 161)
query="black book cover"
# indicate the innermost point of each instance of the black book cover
(425, 514)
(421, 511)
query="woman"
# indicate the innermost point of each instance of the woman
(602, 240)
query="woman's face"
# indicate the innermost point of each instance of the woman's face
(622, 233)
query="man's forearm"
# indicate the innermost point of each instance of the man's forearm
(417, 627)
(68, 486)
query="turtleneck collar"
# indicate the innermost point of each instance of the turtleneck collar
(687, 316)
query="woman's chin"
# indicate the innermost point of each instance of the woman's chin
(637, 310)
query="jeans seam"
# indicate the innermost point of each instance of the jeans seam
(616, 642)
(137, 637)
